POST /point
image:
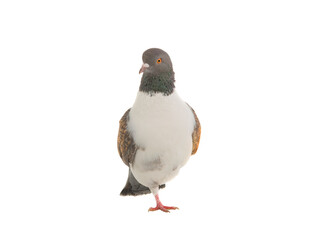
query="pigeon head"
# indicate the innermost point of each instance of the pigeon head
(156, 62)
(158, 74)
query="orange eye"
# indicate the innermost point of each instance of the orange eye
(159, 61)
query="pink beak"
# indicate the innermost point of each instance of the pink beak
(144, 66)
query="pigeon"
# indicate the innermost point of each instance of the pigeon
(159, 133)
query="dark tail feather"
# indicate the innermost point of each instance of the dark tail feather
(134, 188)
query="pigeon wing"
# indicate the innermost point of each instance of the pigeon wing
(125, 142)
(196, 132)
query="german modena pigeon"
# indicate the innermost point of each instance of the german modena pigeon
(159, 133)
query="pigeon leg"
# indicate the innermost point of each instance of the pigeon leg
(160, 206)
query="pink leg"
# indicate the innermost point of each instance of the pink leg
(160, 206)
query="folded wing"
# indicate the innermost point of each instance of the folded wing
(196, 132)
(125, 143)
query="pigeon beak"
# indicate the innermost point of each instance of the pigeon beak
(144, 66)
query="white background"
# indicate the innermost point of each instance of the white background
(68, 72)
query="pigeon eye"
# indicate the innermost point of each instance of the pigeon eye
(159, 61)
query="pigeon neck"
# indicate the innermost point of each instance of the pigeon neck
(163, 83)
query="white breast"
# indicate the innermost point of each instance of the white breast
(162, 127)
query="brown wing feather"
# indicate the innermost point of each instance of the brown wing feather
(125, 143)
(196, 133)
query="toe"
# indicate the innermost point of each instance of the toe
(171, 208)
(163, 209)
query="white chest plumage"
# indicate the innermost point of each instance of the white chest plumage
(162, 128)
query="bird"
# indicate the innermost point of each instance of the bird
(159, 133)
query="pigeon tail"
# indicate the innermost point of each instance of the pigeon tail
(134, 188)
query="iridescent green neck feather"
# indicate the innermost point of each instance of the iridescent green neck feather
(160, 83)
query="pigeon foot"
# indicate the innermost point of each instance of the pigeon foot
(160, 206)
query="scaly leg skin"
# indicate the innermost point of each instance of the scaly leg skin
(160, 206)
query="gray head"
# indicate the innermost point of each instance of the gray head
(156, 61)
(158, 74)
